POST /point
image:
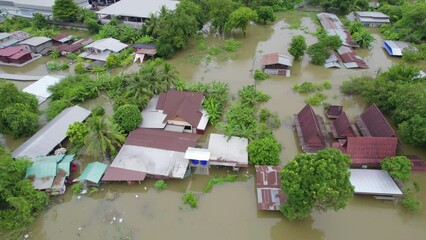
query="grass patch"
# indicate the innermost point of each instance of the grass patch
(220, 180)
(77, 188)
(316, 99)
(310, 87)
(214, 51)
(190, 199)
(231, 45)
(56, 66)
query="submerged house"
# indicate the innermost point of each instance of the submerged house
(151, 153)
(333, 26)
(99, 50)
(373, 123)
(16, 56)
(268, 188)
(40, 89)
(395, 48)
(49, 173)
(92, 174)
(368, 152)
(372, 19)
(134, 12)
(37, 44)
(9, 39)
(350, 58)
(374, 182)
(277, 64)
(228, 151)
(178, 111)
(51, 135)
(62, 38)
(342, 128)
(142, 49)
(311, 130)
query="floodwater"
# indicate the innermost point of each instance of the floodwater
(229, 210)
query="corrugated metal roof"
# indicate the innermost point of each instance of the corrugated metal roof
(370, 150)
(51, 158)
(35, 41)
(120, 174)
(4, 35)
(333, 26)
(350, 58)
(268, 184)
(10, 51)
(334, 111)
(228, 151)
(63, 37)
(197, 154)
(47, 138)
(277, 58)
(165, 163)
(42, 169)
(93, 172)
(40, 88)
(65, 163)
(372, 123)
(160, 139)
(137, 8)
(111, 44)
(373, 182)
(371, 14)
(342, 128)
(395, 48)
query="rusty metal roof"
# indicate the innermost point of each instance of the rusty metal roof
(342, 128)
(121, 174)
(333, 26)
(365, 150)
(373, 123)
(350, 58)
(10, 51)
(166, 140)
(186, 105)
(334, 111)
(268, 184)
(277, 58)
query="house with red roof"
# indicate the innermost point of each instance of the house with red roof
(373, 123)
(342, 128)
(16, 55)
(268, 187)
(368, 152)
(311, 130)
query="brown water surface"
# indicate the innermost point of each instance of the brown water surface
(229, 210)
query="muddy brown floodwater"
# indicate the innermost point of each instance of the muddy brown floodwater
(229, 210)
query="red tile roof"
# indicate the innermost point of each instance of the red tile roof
(342, 128)
(373, 123)
(186, 105)
(268, 184)
(121, 174)
(9, 51)
(311, 130)
(370, 150)
(167, 140)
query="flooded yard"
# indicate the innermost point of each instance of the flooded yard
(229, 211)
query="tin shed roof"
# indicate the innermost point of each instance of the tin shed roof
(268, 188)
(137, 8)
(121, 174)
(10, 51)
(350, 58)
(40, 88)
(35, 41)
(93, 172)
(53, 133)
(228, 151)
(277, 58)
(333, 26)
(373, 182)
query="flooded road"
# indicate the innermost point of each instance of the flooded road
(229, 211)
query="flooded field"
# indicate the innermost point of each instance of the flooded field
(229, 211)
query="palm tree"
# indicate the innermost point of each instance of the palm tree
(152, 25)
(103, 139)
(137, 92)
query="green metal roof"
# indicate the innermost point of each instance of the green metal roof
(65, 163)
(93, 172)
(42, 170)
(52, 158)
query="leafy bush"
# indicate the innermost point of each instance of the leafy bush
(160, 185)
(72, 56)
(55, 66)
(92, 26)
(190, 199)
(55, 54)
(264, 151)
(79, 68)
(76, 133)
(272, 120)
(297, 46)
(220, 180)
(98, 111)
(265, 13)
(128, 117)
(305, 87)
(214, 51)
(56, 107)
(316, 99)
(398, 167)
(77, 187)
(260, 75)
(231, 45)
(75, 89)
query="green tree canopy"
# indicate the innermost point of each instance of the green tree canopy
(219, 12)
(65, 11)
(128, 117)
(76, 133)
(297, 46)
(398, 167)
(264, 151)
(265, 13)
(240, 19)
(316, 181)
(39, 21)
(20, 203)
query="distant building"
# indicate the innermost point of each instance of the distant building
(368, 152)
(333, 26)
(395, 48)
(342, 128)
(372, 19)
(62, 39)
(100, 50)
(268, 188)
(350, 58)
(37, 44)
(9, 39)
(373, 123)
(134, 12)
(277, 64)
(15, 55)
(311, 130)
(142, 49)
(27, 8)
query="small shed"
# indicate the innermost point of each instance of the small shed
(40, 89)
(395, 48)
(350, 58)
(374, 182)
(268, 187)
(334, 111)
(311, 130)
(332, 61)
(15, 55)
(93, 173)
(342, 128)
(62, 38)
(372, 19)
(372, 123)
(198, 158)
(228, 151)
(277, 64)
(9, 39)
(37, 44)
(142, 49)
